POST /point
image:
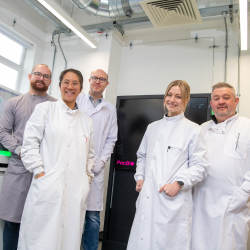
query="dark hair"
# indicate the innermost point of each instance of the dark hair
(77, 72)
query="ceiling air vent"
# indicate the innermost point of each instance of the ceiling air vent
(171, 12)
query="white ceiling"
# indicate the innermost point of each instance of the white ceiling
(84, 18)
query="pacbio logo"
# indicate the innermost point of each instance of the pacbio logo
(125, 163)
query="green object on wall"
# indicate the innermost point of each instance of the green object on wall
(5, 153)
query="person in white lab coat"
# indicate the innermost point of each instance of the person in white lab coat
(221, 202)
(58, 148)
(171, 159)
(103, 115)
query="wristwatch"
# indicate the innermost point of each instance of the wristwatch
(181, 184)
(35, 176)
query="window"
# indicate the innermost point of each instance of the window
(11, 62)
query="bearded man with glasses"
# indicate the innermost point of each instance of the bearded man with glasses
(103, 115)
(17, 179)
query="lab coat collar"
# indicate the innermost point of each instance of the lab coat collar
(98, 107)
(173, 118)
(65, 107)
(215, 120)
(221, 127)
(103, 100)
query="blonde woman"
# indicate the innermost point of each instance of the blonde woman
(171, 159)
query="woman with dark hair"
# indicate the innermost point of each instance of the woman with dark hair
(171, 159)
(58, 149)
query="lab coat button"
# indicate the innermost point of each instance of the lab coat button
(68, 145)
(141, 238)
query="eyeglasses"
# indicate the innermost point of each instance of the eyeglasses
(38, 75)
(101, 79)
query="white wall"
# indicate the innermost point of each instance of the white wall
(79, 56)
(159, 57)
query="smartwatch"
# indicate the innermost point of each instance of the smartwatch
(181, 184)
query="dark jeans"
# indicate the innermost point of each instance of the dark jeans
(10, 235)
(90, 237)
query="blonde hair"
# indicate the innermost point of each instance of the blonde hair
(185, 91)
(223, 85)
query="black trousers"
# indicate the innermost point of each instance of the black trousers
(10, 235)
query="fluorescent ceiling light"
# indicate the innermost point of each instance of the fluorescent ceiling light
(243, 24)
(57, 11)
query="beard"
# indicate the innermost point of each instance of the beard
(44, 88)
(225, 113)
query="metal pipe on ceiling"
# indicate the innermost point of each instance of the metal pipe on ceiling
(65, 67)
(54, 56)
(226, 45)
(110, 8)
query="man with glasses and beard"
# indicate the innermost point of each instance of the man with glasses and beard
(17, 179)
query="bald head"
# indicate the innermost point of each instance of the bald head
(99, 71)
(98, 83)
(35, 68)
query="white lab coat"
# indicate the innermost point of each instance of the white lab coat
(105, 127)
(171, 150)
(221, 201)
(59, 141)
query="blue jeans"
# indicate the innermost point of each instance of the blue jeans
(90, 237)
(10, 235)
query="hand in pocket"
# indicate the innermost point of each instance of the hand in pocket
(99, 166)
(239, 202)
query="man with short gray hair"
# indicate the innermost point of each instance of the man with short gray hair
(221, 214)
(17, 178)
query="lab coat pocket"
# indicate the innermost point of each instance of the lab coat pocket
(239, 203)
(84, 138)
(175, 148)
(174, 209)
(236, 146)
(82, 141)
(45, 188)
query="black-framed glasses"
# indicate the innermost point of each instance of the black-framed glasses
(38, 75)
(101, 79)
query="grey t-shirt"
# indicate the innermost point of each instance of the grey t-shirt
(17, 179)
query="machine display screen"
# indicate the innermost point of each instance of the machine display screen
(136, 113)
